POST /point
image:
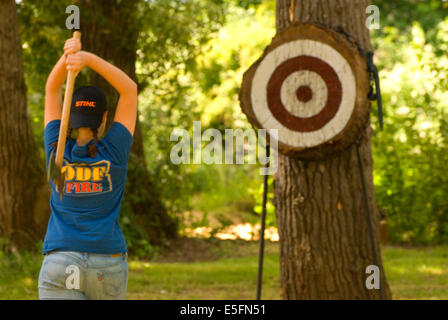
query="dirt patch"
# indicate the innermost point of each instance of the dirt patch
(195, 249)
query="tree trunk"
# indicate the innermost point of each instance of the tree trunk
(23, 192)
(321, 214)
(110, 29)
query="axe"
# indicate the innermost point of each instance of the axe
(55, 163)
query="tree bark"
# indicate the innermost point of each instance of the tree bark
(23, 192)
(321, 214)
(110, 29)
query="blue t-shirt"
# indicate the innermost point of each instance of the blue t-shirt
(86, 219)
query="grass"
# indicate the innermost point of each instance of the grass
(228, 270)
(417, 273)
(18, 275)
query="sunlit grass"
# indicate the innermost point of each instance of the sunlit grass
(417, 273)
(412, 274)
(230, 278)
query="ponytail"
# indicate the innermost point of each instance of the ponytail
(92, 149)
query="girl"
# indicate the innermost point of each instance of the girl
(85, 251)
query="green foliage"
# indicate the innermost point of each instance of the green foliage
(136, 239)
(411, 153)
(221, 196)
(220, 69)
(402, 13)
(227, 192)
(173, 34)
(258, 199)
(203, 87)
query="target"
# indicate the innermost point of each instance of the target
(307, 86)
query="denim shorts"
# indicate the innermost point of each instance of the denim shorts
(69, 275)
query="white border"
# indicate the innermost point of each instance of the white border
(291, 50)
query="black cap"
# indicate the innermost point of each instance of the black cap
(88, 107)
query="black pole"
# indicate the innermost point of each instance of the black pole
(263, 226)
(368, 215)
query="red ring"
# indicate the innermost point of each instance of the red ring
(334, 97)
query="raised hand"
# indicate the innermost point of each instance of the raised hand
(72, 45)
(76, 61)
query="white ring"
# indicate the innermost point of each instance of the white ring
(304, 78)
(291, 50)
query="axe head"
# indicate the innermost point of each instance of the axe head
(55, 174)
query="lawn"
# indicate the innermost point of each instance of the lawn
(228, 270)
(417, 273)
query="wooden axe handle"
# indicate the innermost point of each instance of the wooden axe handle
(66, 112)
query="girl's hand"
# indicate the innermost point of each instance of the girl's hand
(72, 45)
(76, 61)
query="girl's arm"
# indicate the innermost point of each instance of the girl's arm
(55, 81)
(126, 112)
(53, 88)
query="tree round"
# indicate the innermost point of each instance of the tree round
(311, 84)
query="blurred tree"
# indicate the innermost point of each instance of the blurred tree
(23, 205)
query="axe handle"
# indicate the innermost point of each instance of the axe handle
(66, 112)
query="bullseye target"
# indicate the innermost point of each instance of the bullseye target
(306, 87)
